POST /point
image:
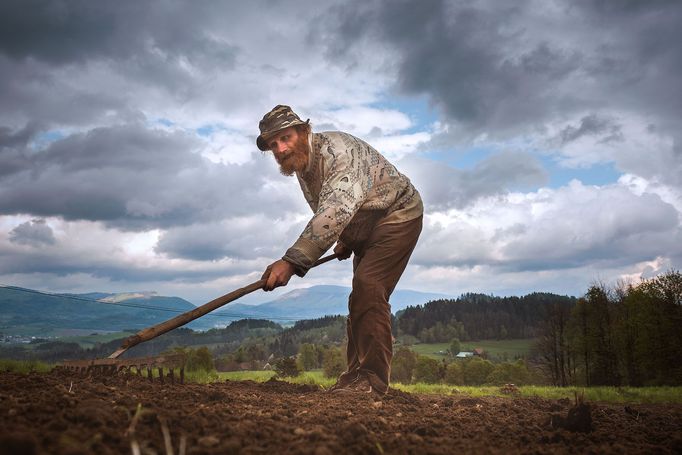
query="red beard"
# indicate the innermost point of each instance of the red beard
(297, 159)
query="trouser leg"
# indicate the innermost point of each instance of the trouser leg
(377, 267)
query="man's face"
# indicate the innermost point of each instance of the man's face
(290, 150)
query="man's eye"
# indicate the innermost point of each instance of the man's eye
(285, 137)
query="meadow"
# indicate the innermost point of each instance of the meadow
(500, 349)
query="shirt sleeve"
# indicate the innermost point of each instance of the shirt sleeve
(342, 194)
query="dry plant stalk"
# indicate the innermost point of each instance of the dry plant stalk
(166, 436)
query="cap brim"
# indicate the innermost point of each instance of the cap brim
(262, 145)
(261, 141)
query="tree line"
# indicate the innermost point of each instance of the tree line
(478, 317)
(624, 335)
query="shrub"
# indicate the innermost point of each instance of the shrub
(333, 362)
(510, 373)
(286, 367)
(454, 374)
(307, 357)
(475, 371)
(199, 359)
(427, 370)
(403, 364)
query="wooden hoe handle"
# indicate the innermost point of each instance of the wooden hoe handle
(184, 318)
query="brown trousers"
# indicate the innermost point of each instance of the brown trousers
(377, 267)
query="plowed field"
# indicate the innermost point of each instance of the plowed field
(63, 413)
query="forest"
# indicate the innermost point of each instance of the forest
(478, 317)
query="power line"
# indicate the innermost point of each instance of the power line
(148, 307)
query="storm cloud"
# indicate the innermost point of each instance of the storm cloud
(34, 233)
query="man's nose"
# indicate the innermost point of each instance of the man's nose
(279, 148)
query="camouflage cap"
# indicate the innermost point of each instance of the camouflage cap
(278, 118)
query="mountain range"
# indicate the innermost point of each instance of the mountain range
(28, 312)
(318, 301)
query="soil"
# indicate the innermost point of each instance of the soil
(63, 413)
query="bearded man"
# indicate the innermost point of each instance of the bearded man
(363, 204)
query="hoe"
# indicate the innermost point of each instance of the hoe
(113, 364)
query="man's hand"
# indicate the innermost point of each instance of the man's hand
(277, 274)
(342, 251)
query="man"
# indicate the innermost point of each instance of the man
(361, 202)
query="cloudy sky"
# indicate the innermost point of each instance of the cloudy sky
(544, 136)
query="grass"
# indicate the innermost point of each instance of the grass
(89, 341)
(509, 349)
(613, 395)
(24, 366)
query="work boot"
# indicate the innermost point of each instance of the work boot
(360, 386)
(344, 381)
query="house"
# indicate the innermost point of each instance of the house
(479, 352)
(464, 354)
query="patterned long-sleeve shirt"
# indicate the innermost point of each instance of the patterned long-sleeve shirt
(351, 188)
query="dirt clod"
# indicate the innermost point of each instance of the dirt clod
(578, 419)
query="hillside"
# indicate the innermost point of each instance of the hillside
(26, 312)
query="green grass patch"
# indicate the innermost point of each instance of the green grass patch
(635, 395)
(613, 395)
(24, 366)
(315, 377)
(509, 349)
(89, 341)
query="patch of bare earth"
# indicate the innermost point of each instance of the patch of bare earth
(67, 414)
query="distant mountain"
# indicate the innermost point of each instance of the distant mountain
(32, 313)
(317, 301)
(36, 313)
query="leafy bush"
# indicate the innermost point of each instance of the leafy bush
(199, 359)
(510, 373)
(476, 370)
(454, 373)
(427, 370)
(286, 367)
(334, 362)
(403, 364)
(307, 357)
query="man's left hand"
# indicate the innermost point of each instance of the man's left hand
(277, 274)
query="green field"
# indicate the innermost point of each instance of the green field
(89, 341)
(510, 349)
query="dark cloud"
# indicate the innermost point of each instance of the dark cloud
(62, 32)
(513, 67)
(116, 53)
(444, 187)
(12, 148)
(592, 125)
(34, 233)
(239, 238)
(458, 55)
(132, 177)
(106, 267)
